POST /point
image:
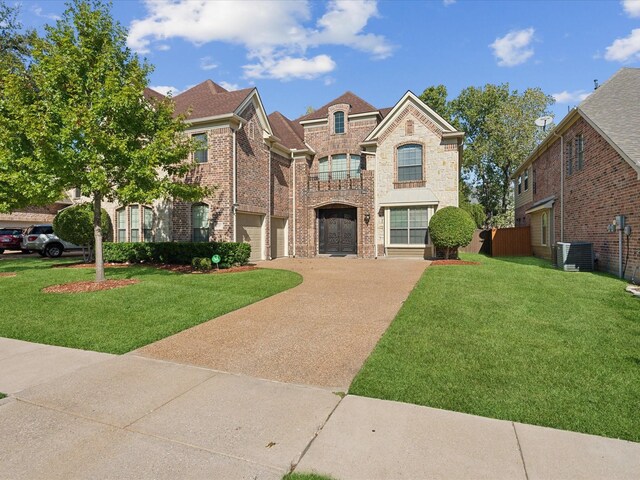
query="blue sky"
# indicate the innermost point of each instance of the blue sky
(303, 54)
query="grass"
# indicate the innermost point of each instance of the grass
(2, 395)
(517, 340)
(123, 319)
(305, 476)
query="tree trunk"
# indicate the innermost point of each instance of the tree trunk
(446, 255)
(97, 230)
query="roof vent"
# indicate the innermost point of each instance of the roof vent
(575, 256)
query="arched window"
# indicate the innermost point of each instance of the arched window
(338, 122)
(409, 163)
(545, 228)
(200, 222)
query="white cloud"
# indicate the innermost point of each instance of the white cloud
(277, 38)
(163, 47)
(446, 3)
(37, 10)
(289, 68)
(206, 63)
(632, 7)
(625, 49)
(570, 97)
(329, 81)
(229, 86)
(514, 48)
(165, 89)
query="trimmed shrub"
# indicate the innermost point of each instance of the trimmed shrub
(75, 224)
(451, 228)
(201, 264)
(179, 253)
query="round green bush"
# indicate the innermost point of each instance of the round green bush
(451, 228)
(75, 224)
(201, 264)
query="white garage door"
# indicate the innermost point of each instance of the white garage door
(278, 232)
(250, 231)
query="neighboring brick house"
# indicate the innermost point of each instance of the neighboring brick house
(585, 173)
(347, 179)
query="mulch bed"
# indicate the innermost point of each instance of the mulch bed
(453, 262)
(160, 266)
(8, 274)
(81, 287)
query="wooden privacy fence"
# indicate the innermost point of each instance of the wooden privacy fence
(500, 242)
(510, 241)
(480, 243)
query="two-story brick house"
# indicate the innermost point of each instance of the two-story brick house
(585, 173)
(347, 179)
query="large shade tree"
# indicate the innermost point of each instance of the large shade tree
(81, 120)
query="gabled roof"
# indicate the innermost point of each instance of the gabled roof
(409, 97)
(151, 94)
(358, 105)
(209, 99)
(385, 111)
(613, 110)
(285, 130)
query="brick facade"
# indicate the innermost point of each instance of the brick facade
(606, 186)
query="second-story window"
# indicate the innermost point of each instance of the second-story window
(409, 163)
(338, 122)
(526, 180)
(569, 154)
(354, 166)
(519, 184)
(202, 150)
(339, 166)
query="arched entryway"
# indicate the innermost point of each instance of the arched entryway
(338, 230)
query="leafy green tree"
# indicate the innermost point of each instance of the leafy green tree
(435, 97)
(84, 122)
(75, 224)
(450, 228)
(500, 133)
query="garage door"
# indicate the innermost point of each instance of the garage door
(278, 229)
(250, 231)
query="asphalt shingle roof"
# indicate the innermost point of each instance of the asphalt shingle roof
(286, 131)
(358, 105)
(209, 99)
(615, 109)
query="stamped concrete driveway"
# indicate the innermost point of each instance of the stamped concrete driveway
(319, 333)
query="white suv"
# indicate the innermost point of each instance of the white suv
(41, 239)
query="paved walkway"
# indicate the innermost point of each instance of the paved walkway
(133, 417)
(319, 333)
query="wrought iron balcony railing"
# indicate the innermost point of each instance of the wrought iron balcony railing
(336, 180)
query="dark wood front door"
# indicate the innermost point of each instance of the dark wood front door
(338, 231)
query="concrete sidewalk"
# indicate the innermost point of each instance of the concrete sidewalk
(26, 364)
(134, 417)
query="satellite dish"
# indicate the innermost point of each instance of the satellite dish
(542, 121)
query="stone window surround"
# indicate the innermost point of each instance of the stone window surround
(127, 222)
(408, 183)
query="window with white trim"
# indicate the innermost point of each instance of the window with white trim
(355, 165)
(200, 222)
(134, 215)
(526, 180)
(519, 184)
(323, 169)
(409, 226)
(409, 162)
(121, 215)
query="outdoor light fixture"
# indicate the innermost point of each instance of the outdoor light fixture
(367, 217)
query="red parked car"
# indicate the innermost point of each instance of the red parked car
(10, 239)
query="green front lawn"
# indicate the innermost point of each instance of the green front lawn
(515, 339)
(123, 319)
